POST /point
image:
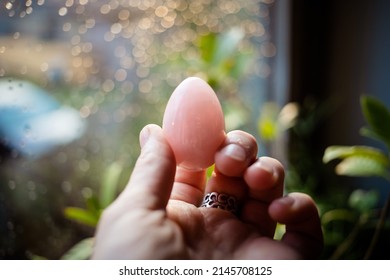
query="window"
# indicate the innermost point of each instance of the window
(80, 78)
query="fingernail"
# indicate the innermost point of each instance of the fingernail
(144, 136)
(268, 165)
(235, 152)
(287, 200)
(264, 164)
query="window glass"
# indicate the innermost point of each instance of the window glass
(78, 81)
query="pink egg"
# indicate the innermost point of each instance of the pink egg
(194, 124)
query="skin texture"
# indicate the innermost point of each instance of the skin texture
(158, 216)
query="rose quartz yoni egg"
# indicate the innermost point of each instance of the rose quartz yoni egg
(194, 124)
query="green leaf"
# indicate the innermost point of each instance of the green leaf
(109, 186)
(209, 171)
(362, 166)
(207, 47)
(338, 215)
(342, 152)
(362, 200)
(93, 205)
(241, 64)
(268, 129)
(268, 125)
(377, 116)
(81, 251)
(280, 230)
(81, 215)
(367, 132)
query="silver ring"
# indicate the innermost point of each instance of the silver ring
(222, 201)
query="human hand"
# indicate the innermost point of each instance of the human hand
(158, 216)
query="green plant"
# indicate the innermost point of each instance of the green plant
(95, 204)
(220, 58)
(366, 160)
(363, 161)
(273, 120)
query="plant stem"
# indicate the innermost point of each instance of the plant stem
(378, 229)
(347, 243)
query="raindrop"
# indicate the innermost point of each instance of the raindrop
(69, 3)
(85, 111)
(44, 67)
(90, 23)
(116, 28)
(120, 51)
(80, 10)
(124, 15)
(108, 37)
(8, 5)
(67, 26)
(145, 86)
(120, 75)
(66, 187)
(63, 11)
(29, 10)
(127, 87)
(161, 11)
(87, 192)
(105, 9)
(32, 195)
(75, 40)
(142, 72)
(268, 49)
(12, 185)
(108, 85)
(127, 62)
(31, 186)
(84, 165)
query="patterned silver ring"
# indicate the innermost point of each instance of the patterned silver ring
(222, 201)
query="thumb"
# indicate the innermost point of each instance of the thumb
(152, 178)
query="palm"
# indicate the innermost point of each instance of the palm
(216, 234)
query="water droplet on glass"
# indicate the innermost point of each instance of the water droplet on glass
(12, 185)
(84, 165)
(63, 11)
(32, 195)
(9, 5)
(87, 192)
(66, 187)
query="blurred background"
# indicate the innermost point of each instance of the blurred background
(80, 78)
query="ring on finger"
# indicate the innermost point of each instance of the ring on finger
(222, 201)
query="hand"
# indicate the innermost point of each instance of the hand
(158, 216)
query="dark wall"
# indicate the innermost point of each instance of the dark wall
(340, 50)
